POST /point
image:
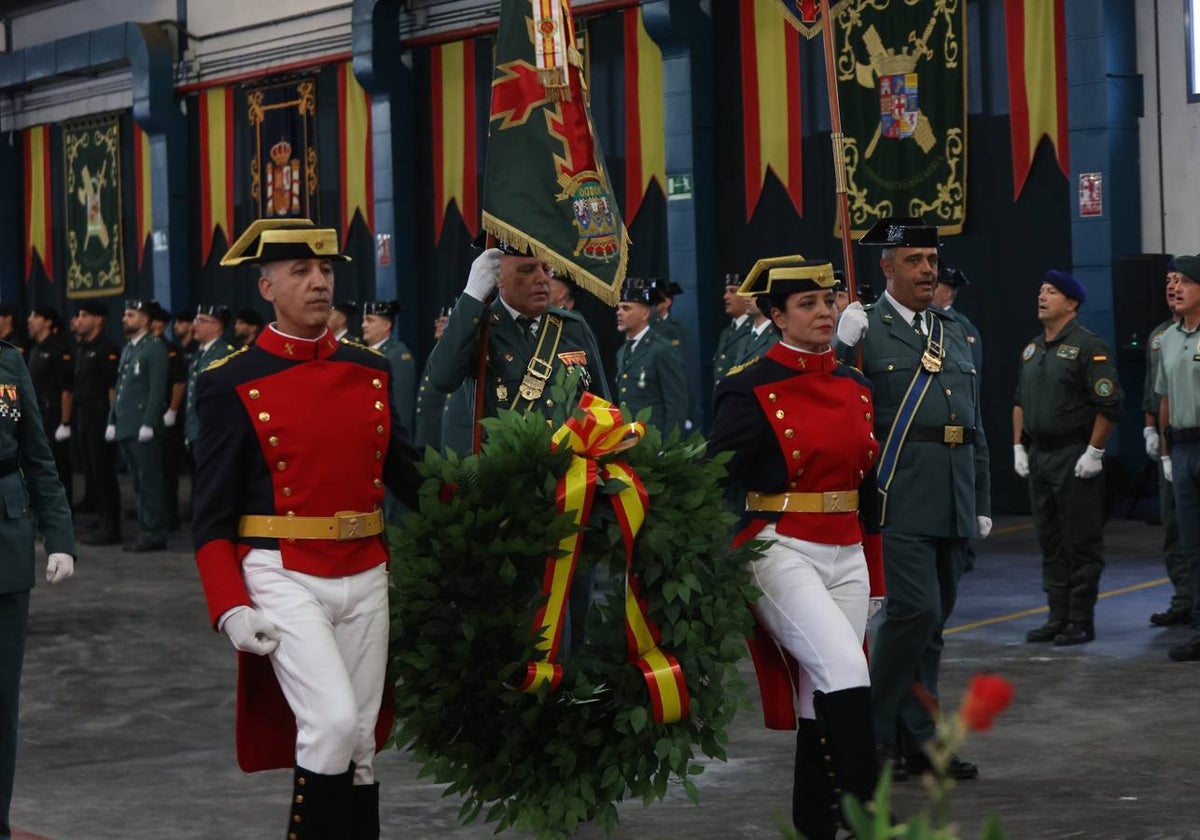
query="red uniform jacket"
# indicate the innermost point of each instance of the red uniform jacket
(800, 423)
(291, 426)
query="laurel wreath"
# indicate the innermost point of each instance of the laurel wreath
(466, 583)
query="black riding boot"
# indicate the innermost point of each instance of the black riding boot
(813, 813)
(848, 743)
(365, 801)
(321, 806)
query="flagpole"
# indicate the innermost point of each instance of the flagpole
(839, 154)
(481, 368)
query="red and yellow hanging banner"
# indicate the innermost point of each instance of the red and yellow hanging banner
(216, 167)
(356, 164)
(645, 125)
(38, 224)
(770, 57)
(602, 431)
(1037, 82)
(455, 122)
(142, 182)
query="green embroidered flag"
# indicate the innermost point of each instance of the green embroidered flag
(902, 82)
(92, 157)
(545, 187)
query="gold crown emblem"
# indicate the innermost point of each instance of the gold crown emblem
(281, 152)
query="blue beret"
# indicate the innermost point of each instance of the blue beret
(1067, 284)
(1189, 267)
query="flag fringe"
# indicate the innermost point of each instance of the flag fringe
(561, 265)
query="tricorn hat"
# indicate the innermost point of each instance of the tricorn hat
(952, 277)
(94, 307)
(140, 305)
(250, 316)
(268, 240)
(637, 290)
(214, 310)
(901, 232)
(346, 307)
(384, 308)
(787, 275)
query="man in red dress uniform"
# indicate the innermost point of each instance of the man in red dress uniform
(288, 533)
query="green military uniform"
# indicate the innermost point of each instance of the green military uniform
(510, 349)
(219, 349)
(427, 424)
(729, 348)
(404, 380)
(458, 419)
(34, 502)
(1181, 597)
(670, 329)
(140, 400)
(973, 337)
(757, 343)
(1061, 387)
(651, 376)
(939, 488)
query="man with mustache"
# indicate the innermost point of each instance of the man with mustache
(933, 477)
(298, 437)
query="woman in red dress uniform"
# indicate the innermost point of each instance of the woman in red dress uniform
(801, 432)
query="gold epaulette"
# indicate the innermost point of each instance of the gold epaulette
(360, 346)
(216, 363)
(743, 366)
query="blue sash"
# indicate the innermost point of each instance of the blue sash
(904, 418)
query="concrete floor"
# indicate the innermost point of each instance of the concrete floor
(127, 718)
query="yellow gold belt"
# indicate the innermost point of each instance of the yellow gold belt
(836, 501)
(342, 526)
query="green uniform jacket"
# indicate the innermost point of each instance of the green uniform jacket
(755, 346)
(200, 360)
(1150, 397)
(404, 380)
(1063, 384)
(652, 377)
(427, 425)
(141, 396)
(973, 338)
(33, 497)
(937, 489)
(671, 330)
(455, 357)
(729, 348)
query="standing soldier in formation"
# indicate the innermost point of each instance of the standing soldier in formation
(339, 320)
(53, 372)
(246, 327)
(528, 340)
(183, 328)
(136, 420)
(950, 280)
(95, 378)
(379, 318)
(172, 435)
(427, 422)
(761, 337)
(1179, 611)
(933, 478)
(660, 315)
(729, 342)
(211, 323)
(649, 369)
(1066, 407)
(9, 328)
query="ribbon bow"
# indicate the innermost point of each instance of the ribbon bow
(602, 431)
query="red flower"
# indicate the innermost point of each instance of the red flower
(446, 492)
(987, 696)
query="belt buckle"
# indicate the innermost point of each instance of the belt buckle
(953, 435)
(834, 502)
(350, 525)
(534, 381)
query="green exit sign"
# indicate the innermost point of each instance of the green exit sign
(679, 186)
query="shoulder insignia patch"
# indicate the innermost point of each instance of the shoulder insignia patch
(1066, 351)
(1028, 352)
(744, 366)
(1156, 341)
(216, 363)
(1104, 387)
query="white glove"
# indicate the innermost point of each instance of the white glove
(1153, 444)
(485, 274)
(1020, 460)
(1166, 465)
(63, 432)
(145, 434)
(250, 631)
(852, 325)
(59, 567)
(985, 526)
(1090, 463)
(169, 417)
(110, 433)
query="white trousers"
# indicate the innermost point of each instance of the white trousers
(331, 659)
(814, 603)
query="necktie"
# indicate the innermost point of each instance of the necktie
(526, 325)
(919, 323)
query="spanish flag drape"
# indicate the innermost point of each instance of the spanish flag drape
(354, 119)
(37, 200)
(216, 167)
(142, 182)
(770, 54)
(645, 126)
(455, 153)
(1037, 82)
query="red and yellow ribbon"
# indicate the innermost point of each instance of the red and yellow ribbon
(602, 431)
